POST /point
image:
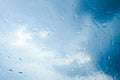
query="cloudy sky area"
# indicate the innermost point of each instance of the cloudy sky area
(54, 40)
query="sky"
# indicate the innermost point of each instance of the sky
(59, 40)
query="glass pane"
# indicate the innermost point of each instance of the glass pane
(59, 40)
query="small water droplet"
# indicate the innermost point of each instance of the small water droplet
(20, 59)
(114, 77)
(75, 16)
(20, 72)
(104, 25)
(10, 70)
(61, 18)
(9, 57)
(109, 57)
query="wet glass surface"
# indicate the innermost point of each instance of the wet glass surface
(59, 40)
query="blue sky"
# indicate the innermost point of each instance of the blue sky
(55, 40)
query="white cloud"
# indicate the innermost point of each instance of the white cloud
(44, 33)
(80, 58)
(95, 76)
(20, 37)
(41, 60)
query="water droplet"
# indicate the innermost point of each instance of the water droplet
(20, 59)
(75, 16)
(109, 57)
(20, 72)
(104, 25)
(61, 18)
(10, 70)
(9, 57)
